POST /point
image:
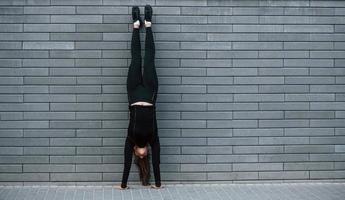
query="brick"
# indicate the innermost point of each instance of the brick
(308, 11)
(49, 133)
(286, 175)
(259, 10)
(182, 3)
(205, 63)
(283, 19)
(308, 131)
(313, 63)
(75, 141)
(206, 115)
(48, 168)
(206, 28)
(308, 28)
(283, 88)
(49, 10)
(25, 19)
(327, 123)
(258, 97)
(327, 88)
(309, 97)
(257, 45)
(232, 106)
(258, 132)
(283, 106)
(25, 141)
(205, 167)
(100, 45)
(309, 80)
(282, 71)
(327, 54)
(100, 9)
(76, 36)
(231, 158)
(75, 106)
(74, 124)
(48, 115)
(283, 36)
(232, 124)
(283, 54)
(283, 157)
(10, 45)
(206, 45)
(49, 150)
(76, 2)
(283, 123)
(233, 89)
(104, 28)
(258, 115)
(326, 37)
(48, 45)
(257, 166)
(207, 150)
(24, 36)
(25, 177)
(309, 114)
(76, 19)
(232, 141)
(11, 10)
(49, 28)
(259, 80)
(207, 97)
(232, 54)
(206, 132)
(233, 19)
(308, 45)
(231, 71)
(326, 157)
(257, 28)
(232, 176)
(232, 36)
(308, 166)
(207, 80)
(50, 98)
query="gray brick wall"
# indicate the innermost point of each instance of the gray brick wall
(249, 90)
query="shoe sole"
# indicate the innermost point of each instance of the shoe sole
(148, 8)
(139, 18)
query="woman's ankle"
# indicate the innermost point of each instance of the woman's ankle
(136, 24)
(148, 24)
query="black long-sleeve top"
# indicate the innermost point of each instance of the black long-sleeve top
(142, 129)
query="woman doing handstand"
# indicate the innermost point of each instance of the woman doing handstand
(142, 95)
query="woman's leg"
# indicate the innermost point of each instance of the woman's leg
(150, 79)
(134, 77)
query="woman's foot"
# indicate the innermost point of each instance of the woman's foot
(148, 15)
(137, 21)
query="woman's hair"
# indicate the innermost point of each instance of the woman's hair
(143, 165)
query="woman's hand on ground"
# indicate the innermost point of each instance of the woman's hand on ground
(120, 188)
(155, 187)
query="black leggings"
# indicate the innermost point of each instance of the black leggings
(142, 88)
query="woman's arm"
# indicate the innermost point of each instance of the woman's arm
(155, 147)
(128, 151)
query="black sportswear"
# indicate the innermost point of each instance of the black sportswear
(142, 130)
